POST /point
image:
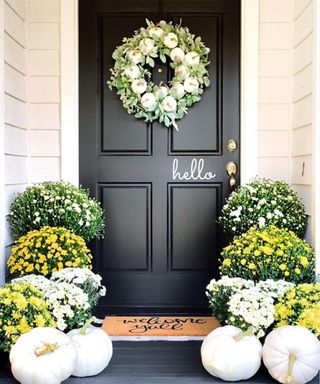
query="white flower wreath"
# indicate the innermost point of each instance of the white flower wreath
(189, 61)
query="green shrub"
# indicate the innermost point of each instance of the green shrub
(56, 204)
(263, 202)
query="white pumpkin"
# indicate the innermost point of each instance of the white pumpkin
(230, 354)
(43, 355)
(292, 354)
(94, 348)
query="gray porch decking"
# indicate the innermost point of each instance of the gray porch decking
(151, 362)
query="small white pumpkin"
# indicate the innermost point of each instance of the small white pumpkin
(43, 355)
(230, 354)
(292, 354)
(94, 348)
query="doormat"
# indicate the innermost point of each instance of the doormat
(159, 326)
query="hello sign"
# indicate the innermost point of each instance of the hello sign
(196, 172)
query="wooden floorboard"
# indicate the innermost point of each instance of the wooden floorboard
(154, 362)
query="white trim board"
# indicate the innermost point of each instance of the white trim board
(2, 149)
(70, 90)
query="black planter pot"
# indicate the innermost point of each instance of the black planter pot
(4, 359)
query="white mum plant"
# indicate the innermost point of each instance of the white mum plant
(83, 278)
(244, 304)
(68, 303)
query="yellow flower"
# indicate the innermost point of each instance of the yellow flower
(297, 271)
(252, 266)
(226, 262)
(286, 273)
(304, 261)
(257, 252)
(283, 267)
(243, 261)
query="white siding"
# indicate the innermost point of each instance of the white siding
(275, 60)
(302, 83)
(15, 104)
(44, 88)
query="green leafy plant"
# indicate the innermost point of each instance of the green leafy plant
(263, 202)
(56, 204)
(48, 250)
(131, 76)
(22, 307)
(269, 253)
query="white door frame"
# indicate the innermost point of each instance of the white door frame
(70, 90)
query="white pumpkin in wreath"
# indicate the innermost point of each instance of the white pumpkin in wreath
(43, 355)
(94, 349)
(230, 354)
(292, 354)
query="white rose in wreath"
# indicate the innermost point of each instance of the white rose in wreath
(135, 56)
(132, 71)
(156, 32)
(132, 77)
(148, 100)
(192, 58)
(191, 84)
(169, 104)
(146, 46)
(177, 55)
(139, 86)
(178, 89)
(182, 72)
(161, 92)
(171, 40)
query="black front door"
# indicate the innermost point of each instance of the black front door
(162, 242)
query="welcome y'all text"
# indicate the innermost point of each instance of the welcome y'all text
(196, 171)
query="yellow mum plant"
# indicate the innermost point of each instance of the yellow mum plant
(22, 308)
(269, 253)
(48, 250)
(300, 306)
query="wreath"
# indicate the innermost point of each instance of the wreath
(131, 75)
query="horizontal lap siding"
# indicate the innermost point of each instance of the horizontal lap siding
(302, 98)
(15, 107)
(44, 90)
(274, 89)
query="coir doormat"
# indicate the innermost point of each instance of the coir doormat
(159, 326)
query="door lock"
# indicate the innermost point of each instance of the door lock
(232, 170)
(232, 145)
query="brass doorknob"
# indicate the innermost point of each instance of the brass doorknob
(232, 170)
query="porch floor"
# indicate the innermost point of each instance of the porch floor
(149, 362)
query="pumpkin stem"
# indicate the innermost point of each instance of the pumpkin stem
(292, 359)
(248, 332)
(46, 348)
(86, 325)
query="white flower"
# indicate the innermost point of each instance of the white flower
(261, 221)
(146, 46)
(192, 58)
(182, 72)
(269, 215)
(278, 213)
(177, 55)
(135, 56)
(139, 86)
(171, 40)
(169, 104)
(178, 89)
(161, 92)
(191, 84)
(156, 32)
(132, 71)
(148, 100)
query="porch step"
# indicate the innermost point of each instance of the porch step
(154, 362)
